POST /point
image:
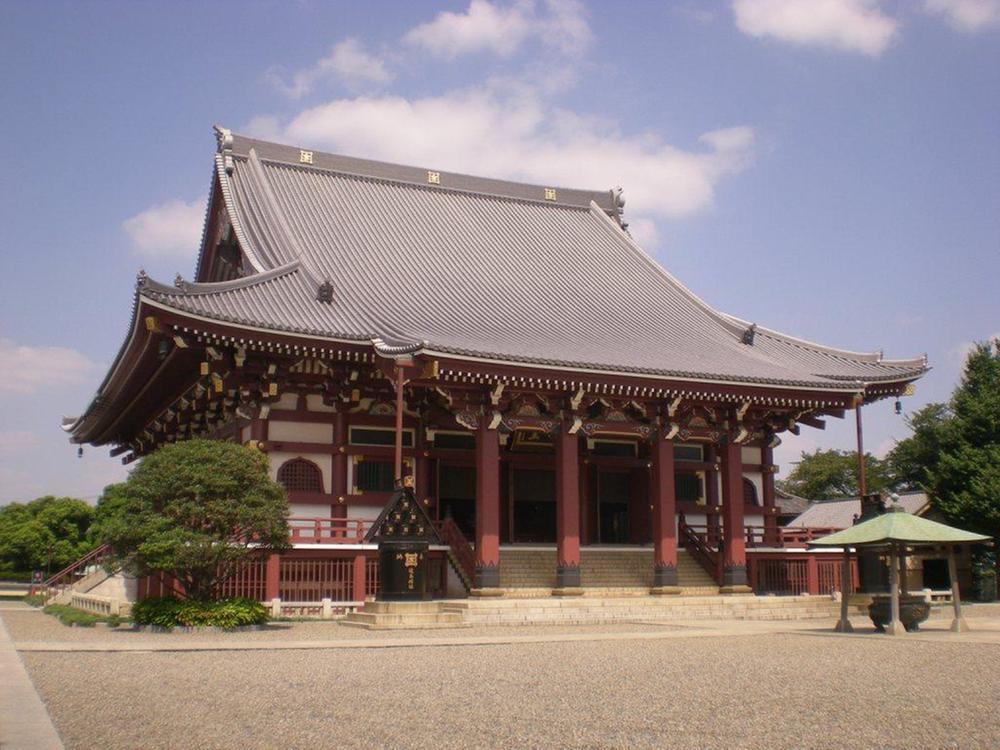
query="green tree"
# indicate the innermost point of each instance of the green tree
(964, 482)
(196, 510)
(48, 533)
(911, 459)
(828, 474)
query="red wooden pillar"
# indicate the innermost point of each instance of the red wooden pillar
(734, 560)
(272, 578)
(358, 582)
(338, 481)
(487, 507)
(771, 535)
(812, 575)
(567, 510)
(638, 506)
(664, 517)
(712, 497)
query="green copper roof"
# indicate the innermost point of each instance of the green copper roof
(898, 526)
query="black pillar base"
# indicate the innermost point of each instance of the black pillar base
(664, 575)
(487, 577)
(567, 576)
(734, 575)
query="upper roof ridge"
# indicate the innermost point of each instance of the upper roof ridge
(232, 144)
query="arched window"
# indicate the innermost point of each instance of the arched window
(749, 492)
(300, 475)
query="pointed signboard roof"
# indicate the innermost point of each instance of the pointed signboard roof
(898, 526)
(403, 519)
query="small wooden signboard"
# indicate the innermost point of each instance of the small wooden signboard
(403, 531)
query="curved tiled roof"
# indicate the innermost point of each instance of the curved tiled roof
(480, 268)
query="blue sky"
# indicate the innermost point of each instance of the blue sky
(829, 168)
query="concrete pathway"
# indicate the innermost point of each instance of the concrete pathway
(24, 720)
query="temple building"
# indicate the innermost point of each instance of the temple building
(573, 415)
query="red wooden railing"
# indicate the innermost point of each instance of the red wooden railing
(693, 539)
(755, 536)
(462, 552)
(74, 572)
(327, 530)
(798, 573)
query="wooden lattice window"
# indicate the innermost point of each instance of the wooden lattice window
(300, 475)
(749, 492)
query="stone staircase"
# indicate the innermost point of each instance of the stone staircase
(377, 615)
(612, 570)
(611, 610)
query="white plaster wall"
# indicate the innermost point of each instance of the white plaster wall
(750, 455)
(366, 512)
(324, 462)
(299, 432)
(287, 401)
(309, 510)
(758, 483)
(314, 402)
(245, 435)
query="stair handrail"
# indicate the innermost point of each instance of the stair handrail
(700, 550)
(465, 554)
(58, 580)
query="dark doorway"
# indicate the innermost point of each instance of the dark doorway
(613, 492)
(533, 492)
(936, 575)
(457, 496)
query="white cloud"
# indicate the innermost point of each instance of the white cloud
(512, 132)
(29, 369)
(847, 25)
(502, 29)
(347, 62)
(171, 229)
(967, 15)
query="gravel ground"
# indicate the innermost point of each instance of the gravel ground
(763, 691)
(24, 625)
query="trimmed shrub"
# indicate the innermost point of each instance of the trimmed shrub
(35, 600)
(170, 612)
(71, 616)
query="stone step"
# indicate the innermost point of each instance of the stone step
(381, 615)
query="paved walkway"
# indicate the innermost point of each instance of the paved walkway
(24, 721)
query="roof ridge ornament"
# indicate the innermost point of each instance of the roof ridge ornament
(141, 278)
(749, 334)
(179, 282)
(224, 137)
(618, 207)
(325, 292)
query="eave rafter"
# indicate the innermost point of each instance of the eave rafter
(253, 370)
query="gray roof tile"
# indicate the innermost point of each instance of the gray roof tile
(483, 268)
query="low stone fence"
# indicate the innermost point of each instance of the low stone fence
(325, 609)
(101, 605)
